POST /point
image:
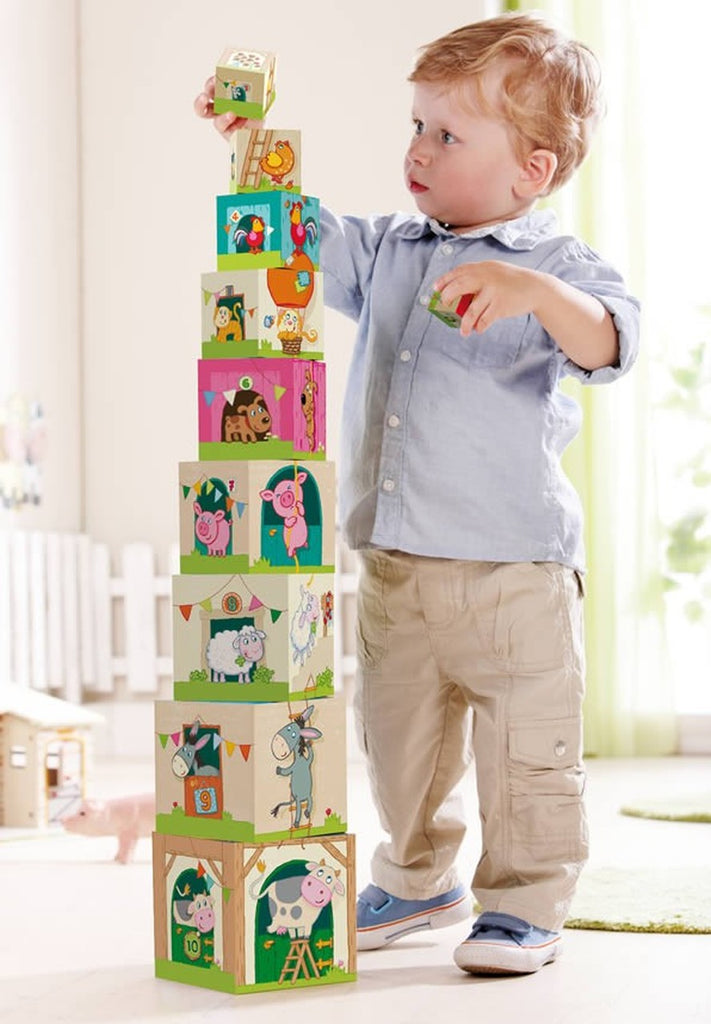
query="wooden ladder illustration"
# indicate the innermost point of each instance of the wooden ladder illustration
(298, 961)
(259, 145)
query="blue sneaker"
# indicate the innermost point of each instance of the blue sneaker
(503, 944)
(382, 918)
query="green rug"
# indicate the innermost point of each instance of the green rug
(669, 899)
(694, 807)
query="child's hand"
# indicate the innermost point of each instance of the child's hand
(500, 290)
(225, 124)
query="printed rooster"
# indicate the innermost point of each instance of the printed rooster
(279, 162)
(254, 237)
(302, 231)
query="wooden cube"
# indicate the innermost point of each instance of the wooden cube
(262, 159)
(261, 409)
(256, 516)
(449, 315)
(242, 917)
(267, 229)
(254, 638)
(246, 772)
(276, 313)
(244, 82)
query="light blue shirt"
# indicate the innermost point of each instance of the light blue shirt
(450, 446)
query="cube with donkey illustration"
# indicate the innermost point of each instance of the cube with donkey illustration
(251, 917)
(245, 772)
(253, 638)
(254, 516)
(276, 313)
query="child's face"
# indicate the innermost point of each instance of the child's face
(461, 166)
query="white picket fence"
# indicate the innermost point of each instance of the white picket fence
(69, 626)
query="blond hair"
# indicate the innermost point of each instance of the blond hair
(550, 96)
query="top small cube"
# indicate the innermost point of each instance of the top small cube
(244, 82)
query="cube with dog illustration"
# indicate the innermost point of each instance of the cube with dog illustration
(265, 158)
(276, 313)
(245, 772)
(252, 917)
(257, 516)
(244, 82)
(261, 409)
(267, 229)
(253, 638)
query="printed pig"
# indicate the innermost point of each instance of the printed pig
(127, 817)
(287, 501)
(212, 530)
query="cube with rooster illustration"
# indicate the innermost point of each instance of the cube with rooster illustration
(254, 917)
(244, 82)
(268, 229)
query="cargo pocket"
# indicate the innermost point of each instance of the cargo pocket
(546, 783)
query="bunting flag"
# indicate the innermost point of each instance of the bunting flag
(229, 396)
(206, 605)
(241, 506)
(255, 603)
(245, 749)
(217, 740)
(175, 736)
(163, 737)
(200, 870)
(209, 397)
(209, 882)
(279, 391)
(230, 747)
(275, 614)
(185, 611)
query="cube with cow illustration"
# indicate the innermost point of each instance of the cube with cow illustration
(253, 917)
(276, 312)
(265, 158)
(244, 82)
(253, 638)
(244, 772)
(261, 409)
(268, 229)
(256, 516)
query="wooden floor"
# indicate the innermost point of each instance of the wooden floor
(76, 941)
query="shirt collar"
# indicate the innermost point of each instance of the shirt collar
(522, 233)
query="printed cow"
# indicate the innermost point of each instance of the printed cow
(296, 902)
(197, 912)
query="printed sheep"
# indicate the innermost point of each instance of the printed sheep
(234, 652)
(302, 633)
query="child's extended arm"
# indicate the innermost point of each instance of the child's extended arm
(578, 322)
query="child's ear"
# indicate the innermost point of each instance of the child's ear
(537, 170)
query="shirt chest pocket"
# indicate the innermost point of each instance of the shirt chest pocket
(500, 344)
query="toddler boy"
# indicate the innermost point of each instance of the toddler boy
(470, 593)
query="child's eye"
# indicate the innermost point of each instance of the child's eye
(419, 126)
(448, 138)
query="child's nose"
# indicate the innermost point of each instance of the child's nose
(418, 150)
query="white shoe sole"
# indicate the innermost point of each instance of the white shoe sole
(481, 957)
(441, 917)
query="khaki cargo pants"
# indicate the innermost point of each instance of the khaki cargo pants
(461, 658)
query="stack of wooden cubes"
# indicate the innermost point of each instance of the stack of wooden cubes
(254, 874)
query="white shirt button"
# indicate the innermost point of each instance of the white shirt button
(447, 249)
(388, 485)
(393, 421)
(560, 748)
(424, 300)
(405, 355)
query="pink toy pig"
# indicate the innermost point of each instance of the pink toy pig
(286, 499)
(128, 817)
(212, 530)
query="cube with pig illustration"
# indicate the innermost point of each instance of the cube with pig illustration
(276, 313)
(253, 638)
(261, 409)
(244, 772)
(250, 917)
(256, 516)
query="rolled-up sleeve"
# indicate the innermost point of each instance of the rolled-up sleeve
(348, 249)
(580, 266)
